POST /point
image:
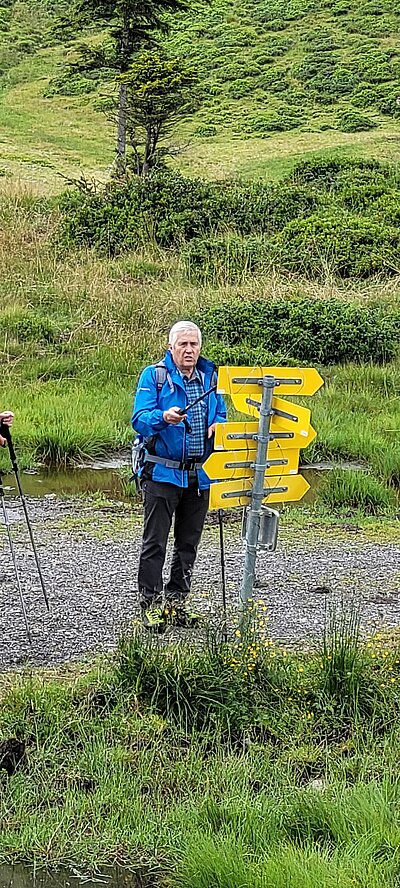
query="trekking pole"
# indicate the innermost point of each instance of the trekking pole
(222, 551)
(5, 432)
(196, 401)
(14, 560)
(193, 404)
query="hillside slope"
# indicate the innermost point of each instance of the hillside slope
(281, 78)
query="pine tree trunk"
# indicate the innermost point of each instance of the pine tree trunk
(125, 52)
(121, 131)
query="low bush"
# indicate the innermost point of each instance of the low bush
(70, 85)
(340, 244)
(354, 122)
(169, 208)
(323, 172)
(310, 330)
(274, 121)
(206, 129)
(27, 326)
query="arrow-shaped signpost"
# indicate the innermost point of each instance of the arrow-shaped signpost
(264, 455)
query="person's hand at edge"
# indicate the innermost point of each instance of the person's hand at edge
(173, 417)
(6, 418)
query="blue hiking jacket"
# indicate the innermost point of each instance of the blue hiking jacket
(172, 441)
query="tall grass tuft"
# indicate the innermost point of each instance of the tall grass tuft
(358, 491)
(346, 692)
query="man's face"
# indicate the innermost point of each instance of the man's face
(185, 350)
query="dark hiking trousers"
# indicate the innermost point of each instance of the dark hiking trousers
(161, 503)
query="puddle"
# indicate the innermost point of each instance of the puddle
(109, 877)
(98, 478)
(111, 476)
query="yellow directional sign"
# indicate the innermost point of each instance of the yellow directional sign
(227, 436)
(240, 464)
(286, 417)
(247, 380)
(229, 494)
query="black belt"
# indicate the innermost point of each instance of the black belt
(189, 465)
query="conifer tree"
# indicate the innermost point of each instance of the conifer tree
(133, 25)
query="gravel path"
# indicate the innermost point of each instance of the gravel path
(89, 560)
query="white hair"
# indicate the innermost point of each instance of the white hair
(180, 327)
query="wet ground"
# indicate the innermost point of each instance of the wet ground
(110, 877)
(89, 551)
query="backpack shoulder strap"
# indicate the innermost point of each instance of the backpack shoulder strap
(162, 376)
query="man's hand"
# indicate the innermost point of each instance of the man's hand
(211, 429)
(173, 416)
(6, 417)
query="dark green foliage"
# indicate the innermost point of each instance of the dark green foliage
(170, 208)
(310, 330)
(324, 172)
(333, 216)
(70, 85)
(274, 121)
(338, 243)
(206, 130)
(28, 326)
(354, 122)
(373, 66)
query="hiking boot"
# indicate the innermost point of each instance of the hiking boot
(176, 614)
(153, 618)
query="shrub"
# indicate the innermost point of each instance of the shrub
(277, 121)
(206, 130)
(25, 326)
(240, 88)
(70, 85)
(388, 101)
(354, 122)
(324, 171)
(170, 209)
(339, 243)
(309, 330)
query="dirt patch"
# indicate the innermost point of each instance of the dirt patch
(89, 554)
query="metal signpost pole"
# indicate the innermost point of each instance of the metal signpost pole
(257, 494)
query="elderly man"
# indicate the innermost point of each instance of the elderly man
(178, 440)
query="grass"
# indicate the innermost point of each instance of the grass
(356, 491)
(290, 779)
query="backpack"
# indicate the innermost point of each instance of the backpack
(140, 445)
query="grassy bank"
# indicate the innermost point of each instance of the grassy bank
(232, 764)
